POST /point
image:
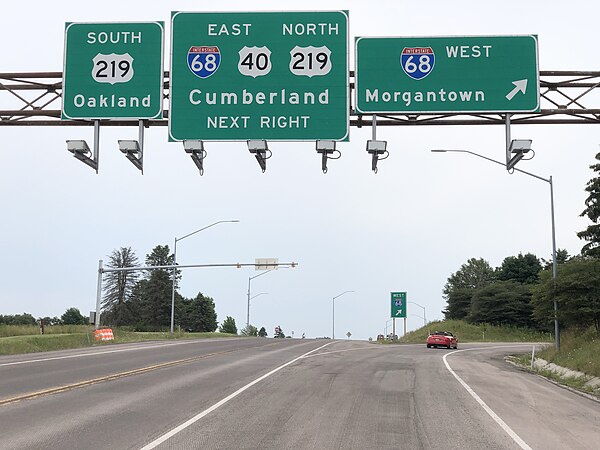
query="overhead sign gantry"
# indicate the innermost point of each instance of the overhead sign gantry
(259, 76)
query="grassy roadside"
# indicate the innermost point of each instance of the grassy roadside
(80, 336)
(31, 330)
(467, 332)
(578, 351)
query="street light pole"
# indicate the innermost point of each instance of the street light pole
(424, 314)
(175, 263)
(333, 314)
(386, 326)
(248, 313)
(420, 317)
(250, 279)
(549, 181)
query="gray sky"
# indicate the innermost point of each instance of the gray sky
(406, 228)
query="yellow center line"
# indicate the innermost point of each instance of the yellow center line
(114, 376)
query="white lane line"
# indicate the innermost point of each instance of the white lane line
(514, 436)
(340, 351)
(80, 355)
(220, 403)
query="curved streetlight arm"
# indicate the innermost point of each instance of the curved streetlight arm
(175, 263)
(204, 228)
(345, 292)
(333, 313)
(263, 273)
(386, 325)
(250, 298)
(492, 160)
(416, 315)
(424, 313)
(549, 181)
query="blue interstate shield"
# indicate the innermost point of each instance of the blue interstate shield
(417, 62)
(203, 60)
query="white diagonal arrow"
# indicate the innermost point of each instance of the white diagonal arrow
(520, 85)
(398, 312)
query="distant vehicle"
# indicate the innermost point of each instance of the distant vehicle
(442, 339)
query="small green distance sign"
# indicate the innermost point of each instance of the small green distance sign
(447, 74)
(398, 304)
(113, 70)
(259, 75)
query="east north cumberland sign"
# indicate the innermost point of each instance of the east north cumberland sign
(264, 75)
(447, 74)
(113, 70)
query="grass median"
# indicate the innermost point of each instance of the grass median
(26, 339)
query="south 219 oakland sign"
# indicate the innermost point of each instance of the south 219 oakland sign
(268, 75)
(113, 70)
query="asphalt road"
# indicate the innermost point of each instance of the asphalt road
(284, 394)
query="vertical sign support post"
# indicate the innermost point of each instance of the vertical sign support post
(398, 308)
(508, 138)
(96, 154)
(98, 295)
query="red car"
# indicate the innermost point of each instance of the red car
(442, 339)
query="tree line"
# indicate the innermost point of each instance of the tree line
(71, 316)
(522, 291)
(142, 299)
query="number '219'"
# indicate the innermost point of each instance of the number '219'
(103, 70)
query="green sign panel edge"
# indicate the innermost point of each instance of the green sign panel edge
(442, 111)
(346, 132)
(403, 295)
(158, 113)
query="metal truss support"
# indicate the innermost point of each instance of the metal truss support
(566, 97)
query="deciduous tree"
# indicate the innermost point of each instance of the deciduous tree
(522, 268)
(72, 316)
(577, 291)
(228, 326)
(592, 210)
(196, 314)
(503, 303)
(249, 330)
(474, 274)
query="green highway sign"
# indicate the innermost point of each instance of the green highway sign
(113, 70)
(398, 304)
(259, 75)
(447, 74)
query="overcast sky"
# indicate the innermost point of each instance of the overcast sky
(406, 228)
